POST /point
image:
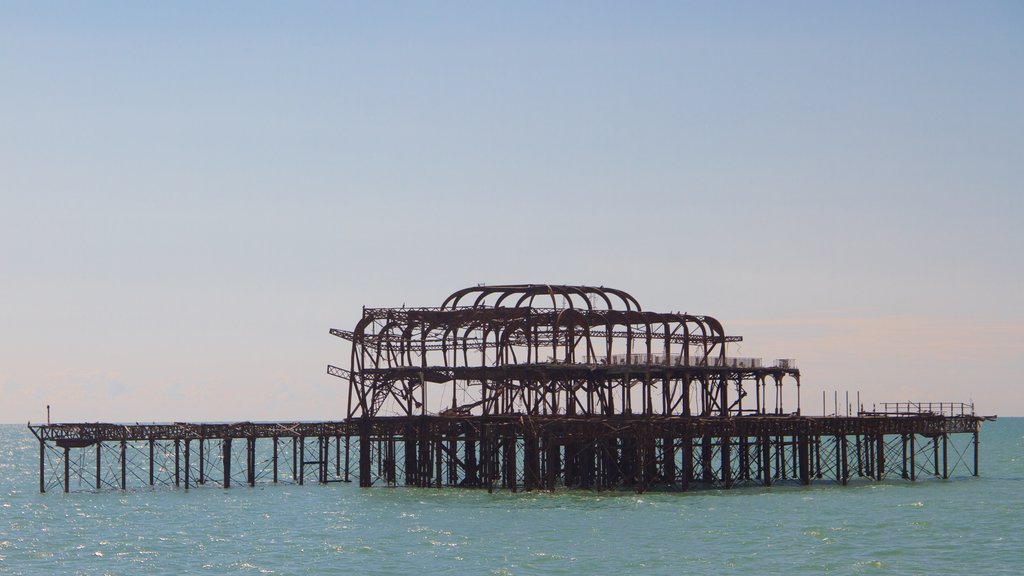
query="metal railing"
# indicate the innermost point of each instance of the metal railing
(658, 358)
(924, 408)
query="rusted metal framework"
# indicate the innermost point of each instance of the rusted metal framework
(528, 387)
(512, 452)
(99, 456)
(540, 350)
(537, 386)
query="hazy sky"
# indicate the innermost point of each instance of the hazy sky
(192, 194)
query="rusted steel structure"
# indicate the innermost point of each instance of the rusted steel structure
(539, 350)
(102, 456)
(537, 386)
(528, 387)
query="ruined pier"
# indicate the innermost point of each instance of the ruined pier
(536, 387)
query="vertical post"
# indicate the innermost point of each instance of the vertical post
(880, 456)
(202, 460)
(451, 460)
(471, 475)
(913, 463)
(390, 467)
(348, 439)
(487, 456)
(817, 455)
(903, 442)
(177, 459)
(411, 466)
(365, 481)
(780, 457)
(275, 459)
(804, 459)
(668, 459)
(569, 463)
(529, 462)
(188, 467)
(42, 466)
(124, 466)
(151, 442)
(295, 459)
(226, 451)
(67, 471)
(323, 444)
(945, 454)
(975, 451)
(860, 461)
(551, 462)
(744, 460)
(705, 460)
(424, 469)
(302, 460)
(439, 455)
(250, 451)
(839, 461)
(726, 450)
(687, 471)
(846, 461)
(326, 460)
(766, 459)
(99, 445)
(794, 447)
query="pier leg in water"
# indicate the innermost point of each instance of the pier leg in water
(945, 456)
(302, 461)
(880, 457)
(913, 462)
(364, 455)
(42, 466)
(124, 466)
(188, 467)
(226, 451)
(766, 460)
(975, 452)
(903, 443)
(251, 460)
(804, 459)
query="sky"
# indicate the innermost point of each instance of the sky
(192, 194)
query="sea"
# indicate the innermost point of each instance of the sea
(964, 525)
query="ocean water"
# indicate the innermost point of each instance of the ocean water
(933, 526)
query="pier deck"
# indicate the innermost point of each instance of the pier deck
(513, 452)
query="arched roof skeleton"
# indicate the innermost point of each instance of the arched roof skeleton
(530, 347)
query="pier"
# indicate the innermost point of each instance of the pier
(536, 387)
(183, 455)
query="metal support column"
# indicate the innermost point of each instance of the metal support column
(124, 465)
(42, 466)
(226, 451)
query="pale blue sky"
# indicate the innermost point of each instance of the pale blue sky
(192, 194)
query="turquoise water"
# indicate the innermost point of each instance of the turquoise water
(893, 527)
